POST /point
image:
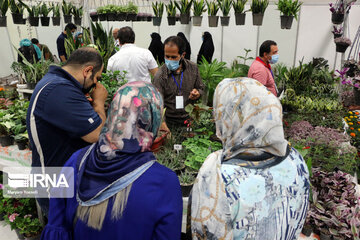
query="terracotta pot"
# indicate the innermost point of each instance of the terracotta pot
(159, 141)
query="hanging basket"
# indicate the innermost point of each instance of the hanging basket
(225, 21)
(341, 47)
(56, 21)
(213, 21)
(258, 19)
(171, 21)
(34, 21)
(185, 18)
(157, 21)
(67, 18)
(17, 18)
(3, 21)
(240, 18)
(337, 18)
(286, 22)
(197, 20)
(45, 21)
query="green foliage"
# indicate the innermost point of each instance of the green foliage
(213, 8)
(239, 6)
(186, 178)
(242, 68)
(259, 6)
(104, 41)
(66, 8)
(34, 11)
(225, 6)
(72, 44)
(45, 10)
(289, 7)
(112, 81)
(170, 158)
(132, 8)
(77, 12)
(199, 7)
(171, 9)
(158, 8)
(56, 9)
(184, 6)
(4, 6)
(13, 119)
(16, 8)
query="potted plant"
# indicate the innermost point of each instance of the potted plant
(45, 19)
(337, 32)
(101, 12)
(289, 10)
(34, 13)
(184, 7)
(149, 17)
(213, 8)
(258, 8)
(225, 7)
(6, 124)
(4, 6)
(339, 9)
(158, 8)
(187, 180)
(171, 13)
(342, 43)
(67, 9)
(17, 10)
(94, 16)
(120, 13)
(198, 9)
(78, 13)
(110, 11)
(21, 136)
(240, 14)
(132, 11)
(56, 14)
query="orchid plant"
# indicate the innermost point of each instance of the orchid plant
(345, 80)
(337, 30)
(341, 6)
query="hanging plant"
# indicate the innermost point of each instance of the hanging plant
(198, 9)
(78, 13)
(342, 43)
(17, 11)
(339, 9)
(213, 8)
(171, 13)
(67, 9)
(258, 8)
(45, 11)
(56, 14)
(225, 7)
(4, 6)
(240, 14)
(158, 8)
(34, 13)
(290, 9)
(184, 7)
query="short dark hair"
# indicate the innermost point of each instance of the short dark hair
(70, 26)
(126, 35)
(266, 47)
(34, 41)
(84, 57)
(178, 42)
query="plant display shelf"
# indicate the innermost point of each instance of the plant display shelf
(23, 91)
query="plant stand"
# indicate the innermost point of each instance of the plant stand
(30, 85)
(337, 18)
(197, 20)
(77, 20)
(258, 19)
(34, 21)
(213, 21)
(56, 21)
(67, 18)
(3, 21)
(225, 21)
(286, 22)
(240, 18)
(341, 47)
(184, 18)
(171, 21)
(157, 21)
(45, 21)
(17, 18)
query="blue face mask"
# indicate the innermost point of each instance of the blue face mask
(172, 65)
(274, 59)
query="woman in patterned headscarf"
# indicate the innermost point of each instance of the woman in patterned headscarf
(121, 192)
(257, 187)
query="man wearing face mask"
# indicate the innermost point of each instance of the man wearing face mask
(60, 120)
(179, 82)
(260, 69)
(60, 42)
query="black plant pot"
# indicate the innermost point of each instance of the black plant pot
(196, 20)
(286, 22)
(341, 47)
(357, 96)
(131, 16)
(67, 18)
(34, 21)
(258, 19)
(307, 230)
(185, 18)
(111, 17)
(213, 21)
(17, 18)
(337, 35)
(240, 18)
(77, 20)
(337, 18)
(171, 21)
(45, 21)
(6, 141)
(186, 189)
(102, 17)
(30, 85)
(149, 18)
(22, 145)
(157, 21)
(3, 21)
(56, 21)
(94, 17)
(121, 16)
(20, 236)
(23, 21)
(225, 21)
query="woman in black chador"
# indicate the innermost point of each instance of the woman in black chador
(207, 48)
(157, 47)
(188, 48)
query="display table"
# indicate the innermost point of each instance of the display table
(13, 157)
(23, 91)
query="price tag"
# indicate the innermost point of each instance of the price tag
(177, 147)
(179, 102)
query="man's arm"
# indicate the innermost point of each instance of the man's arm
(198, 87)
(153, 71)
(61, 49)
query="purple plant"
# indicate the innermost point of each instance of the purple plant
(337, 30)
(343, 40)
(341, 6)
(353, 82)
(300, 130)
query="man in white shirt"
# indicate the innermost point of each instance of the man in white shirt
(137, 62)
(117, 43)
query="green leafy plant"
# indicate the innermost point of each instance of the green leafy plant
(289, 7)
(67, 8)
(186, 178)
(100, 10)
(259, 6)
(158, 8)
(199, 7)
(56, 9)
(242, 68)
(225, 6)
(4, 6)
(45, 10)
(77, 12)
(184, 6)
(213, 8)
(239, 6)
(112, 81)
(16, 8)
(171, 9)
(132, 8)
(34, 11)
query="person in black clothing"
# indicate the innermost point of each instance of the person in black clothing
(207, 48)
(188, 48)
(157, 47)
(60, 42)
(28, 51)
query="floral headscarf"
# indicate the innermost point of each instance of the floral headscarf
(248, 119)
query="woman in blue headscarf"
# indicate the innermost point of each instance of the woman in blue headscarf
(121, 192)
(29, 50)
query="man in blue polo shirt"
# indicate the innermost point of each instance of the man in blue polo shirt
(60, 120)
(60, 41)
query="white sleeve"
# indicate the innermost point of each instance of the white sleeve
(151, 60)
(110, 64)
